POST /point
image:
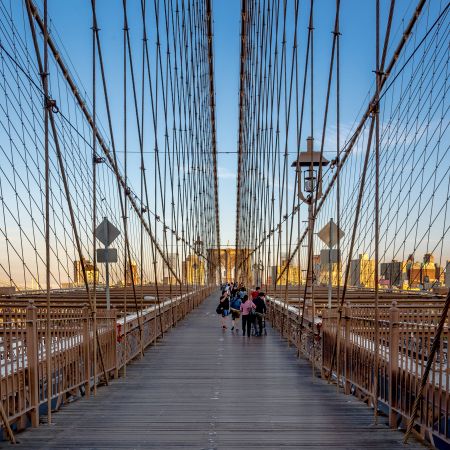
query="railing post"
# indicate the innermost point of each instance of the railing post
(394, 338)
(348, 346)
(288, 326)
(86, 351)
(32, 360)
(112, 319)
(325, 318)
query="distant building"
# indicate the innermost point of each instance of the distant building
(194, 270)
(169, 278)
(78, 279)
(316, 268)
(229, 260)
(291, 276)
(273, 275)
(7, 290)
(423, 275)
(447, 274)
(362, 272)
(325, 262)
(393, 272)
(132, 275)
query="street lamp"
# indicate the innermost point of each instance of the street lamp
(198, 250)
(198, 246)
(309, 169)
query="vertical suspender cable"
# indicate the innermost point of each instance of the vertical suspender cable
(127, 192)
(338, 146)
(48, 352)
(310, 205)
(144, 44)
(376, 205)
(94, 198)
(242, 95)
(125, 196)
(212, 104)
(309, 251)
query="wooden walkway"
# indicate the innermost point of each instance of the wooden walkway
(201, 388)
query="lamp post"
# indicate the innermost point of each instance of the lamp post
(258, 268)
(194, 268)
(198, 250)
(309, 177)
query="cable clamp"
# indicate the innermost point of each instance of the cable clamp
(49, 103)
(374, 108)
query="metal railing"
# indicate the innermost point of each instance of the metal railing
(405, 339)
(23, 358)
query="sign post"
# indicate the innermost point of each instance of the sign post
(330, 234)
(106, 233)
(108, 295)
(330, 272)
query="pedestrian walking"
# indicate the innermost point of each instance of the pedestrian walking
(255, 293)
(235, 308)
(223, 309)
(260, 310)
(247, 308)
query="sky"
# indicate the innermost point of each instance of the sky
(227, 45)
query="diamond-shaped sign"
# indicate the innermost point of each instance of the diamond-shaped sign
(330, 234)
(106, 232)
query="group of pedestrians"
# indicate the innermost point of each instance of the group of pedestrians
(235, 301)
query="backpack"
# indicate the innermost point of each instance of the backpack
(236, 303)
(219, 309)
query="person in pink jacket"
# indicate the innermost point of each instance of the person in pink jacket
(247, 309)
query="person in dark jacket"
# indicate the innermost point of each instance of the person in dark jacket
(225, 306)
(260, 309)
